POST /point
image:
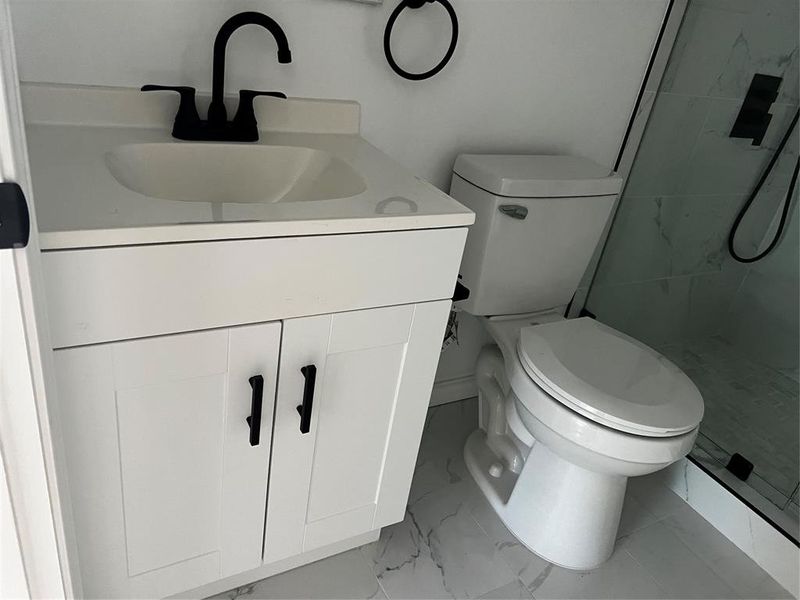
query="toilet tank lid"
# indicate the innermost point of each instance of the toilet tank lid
(537, 176)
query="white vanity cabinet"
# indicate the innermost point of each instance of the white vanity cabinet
(309, 251)
(167, 485)
(169, 480)
(156, 346)
(350, 471)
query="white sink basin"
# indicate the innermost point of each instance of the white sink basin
(232, 173)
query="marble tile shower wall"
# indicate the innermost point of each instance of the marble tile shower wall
(764, 317)
(665, 274)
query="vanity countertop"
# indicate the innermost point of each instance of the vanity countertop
(79, 204)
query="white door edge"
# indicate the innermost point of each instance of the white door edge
(31, 491)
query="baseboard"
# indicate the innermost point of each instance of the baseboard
(755, 536)
(452, 390)
(264, 571)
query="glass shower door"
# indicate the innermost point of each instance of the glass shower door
(666, 276)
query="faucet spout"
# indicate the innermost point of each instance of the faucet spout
(216, 110)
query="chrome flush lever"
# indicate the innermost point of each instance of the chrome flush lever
(515, 211)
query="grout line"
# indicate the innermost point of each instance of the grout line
(371, 568)
(737, 195)
(647, 572)
(503, 558)
(792, 497)
(380, 586)
(699, 556)
(671, 277)
(738, 99)
(656, 519)
(518, 580)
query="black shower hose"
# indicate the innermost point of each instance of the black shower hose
(786, 203)
(387, 39)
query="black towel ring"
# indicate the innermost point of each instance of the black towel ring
(387, 36)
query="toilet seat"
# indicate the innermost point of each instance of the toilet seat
(610, 378)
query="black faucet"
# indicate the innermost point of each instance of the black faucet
(243, 128)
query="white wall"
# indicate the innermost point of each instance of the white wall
(551, 76)
(528, 75)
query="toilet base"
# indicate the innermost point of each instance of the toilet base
(564, 513)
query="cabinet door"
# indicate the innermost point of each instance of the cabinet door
(351, 472)
(167, 490)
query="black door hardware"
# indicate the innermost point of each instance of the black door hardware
(739, 466)
(15, 221)
(243, 128)
(387, 39)
(310, 374)
(254, 420)
(754, 116)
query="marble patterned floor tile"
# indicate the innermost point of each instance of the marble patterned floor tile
(635, 516)
(513, 591)
(345, 576)
(660, 501)
(404, 565)
(673, 565)
(620, 577)
(453, 545)
(440, 460)
(431, 474)
(522, 561)
(726, 560)
(438, 551)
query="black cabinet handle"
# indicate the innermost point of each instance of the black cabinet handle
(310, 373)
(254, 420)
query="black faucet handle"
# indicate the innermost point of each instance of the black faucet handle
(248, 95)
(245, 119)
(187, 117)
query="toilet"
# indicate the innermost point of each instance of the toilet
(569, 408)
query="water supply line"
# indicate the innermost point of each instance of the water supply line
(751, 198)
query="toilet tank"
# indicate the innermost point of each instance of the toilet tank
(538, 220)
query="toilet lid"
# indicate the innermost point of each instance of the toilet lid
(610, 377)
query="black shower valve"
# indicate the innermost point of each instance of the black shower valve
(754, 117)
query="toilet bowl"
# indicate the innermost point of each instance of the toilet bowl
(556, 472)
(569, 408)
